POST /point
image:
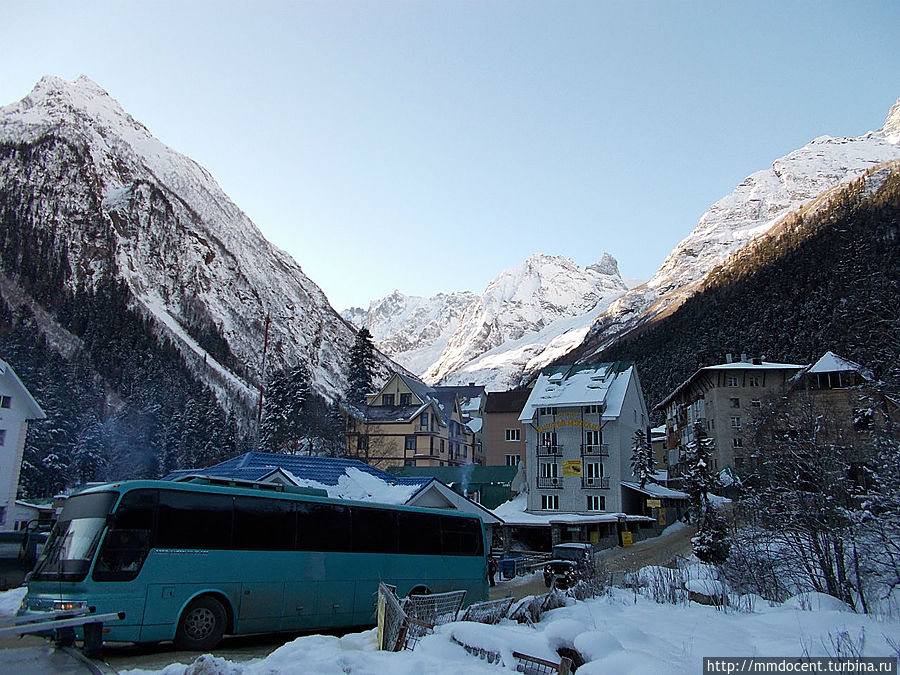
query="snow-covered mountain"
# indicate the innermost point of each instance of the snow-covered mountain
(749, 211)
(412, 330)
(526, 317)
(89, 182)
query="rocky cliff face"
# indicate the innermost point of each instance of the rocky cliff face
(107, 200)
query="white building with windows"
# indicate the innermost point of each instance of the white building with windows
(17, 408)
(580, 423)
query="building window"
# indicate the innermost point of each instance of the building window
(405, 399)
(548, 440)
(5, 401)
(735, 422)
(513, 460)
(549, 470)
(442, 446)
(593, 470)
(592, 409)
(733, 381)
(550, 502)
(753, 381)
(423, 421)
(593, 438)
(737, 442)
(755, 403)
(513, 435)
(362, 442)
(547, 411)
(596, 503)
(411, 443)
(387, 399)
(734, 402)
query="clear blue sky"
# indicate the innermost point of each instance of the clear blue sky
(428, 145)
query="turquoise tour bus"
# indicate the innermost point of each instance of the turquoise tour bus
(195, 560)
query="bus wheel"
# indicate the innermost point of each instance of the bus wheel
(201, 625)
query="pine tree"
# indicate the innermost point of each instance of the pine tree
(699, 480)
(284, 422)
(642, 458)
(362, 368)
(711, 543)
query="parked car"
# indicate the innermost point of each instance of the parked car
(568, 564)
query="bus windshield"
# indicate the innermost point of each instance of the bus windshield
(70, 548)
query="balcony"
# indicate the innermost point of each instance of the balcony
(601, 450)
(601, 483)
(549, 482)
(549, 450)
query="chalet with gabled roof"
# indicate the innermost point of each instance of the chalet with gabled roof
(408, 423)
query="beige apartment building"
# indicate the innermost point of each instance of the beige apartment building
(502, 433)
(844, 399)
(407, 423)
(726, 399)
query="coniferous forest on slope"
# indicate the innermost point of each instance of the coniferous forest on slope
(819, 282)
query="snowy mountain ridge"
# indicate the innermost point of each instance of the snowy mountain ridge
(755, 205)
(88, 177)
(526, 317)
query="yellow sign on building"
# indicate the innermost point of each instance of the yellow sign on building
(571, 467)
(627, 539)
(654, 503)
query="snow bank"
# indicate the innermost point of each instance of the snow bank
(11, 600)
(618, 634)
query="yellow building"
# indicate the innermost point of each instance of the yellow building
(409, 423)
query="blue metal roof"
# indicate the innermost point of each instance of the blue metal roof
(324, 470)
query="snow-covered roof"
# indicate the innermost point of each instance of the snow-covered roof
(32, 410)
(657, 491)
(599, 384)
(734, 365)
(340, 478)
(513, 513)
(832, 363)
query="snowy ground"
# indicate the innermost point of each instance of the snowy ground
(621, 633)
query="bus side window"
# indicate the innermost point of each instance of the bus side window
(420, 534)
(374, 530)
(191, 520)
(462, 536)
(264, 524)
(129, 538)
(323, 527)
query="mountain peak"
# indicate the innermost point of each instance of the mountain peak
(606, 265)
(891, 126)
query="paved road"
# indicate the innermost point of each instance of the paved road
(657, 551)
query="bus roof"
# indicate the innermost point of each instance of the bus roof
(246, 488)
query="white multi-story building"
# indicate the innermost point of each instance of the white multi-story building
(17, 408)
(580, 423)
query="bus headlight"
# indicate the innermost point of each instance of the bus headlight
(69, 605)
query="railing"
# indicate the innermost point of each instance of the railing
(549, 482)
(590, 482)
(548, 449)
(601, 450)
